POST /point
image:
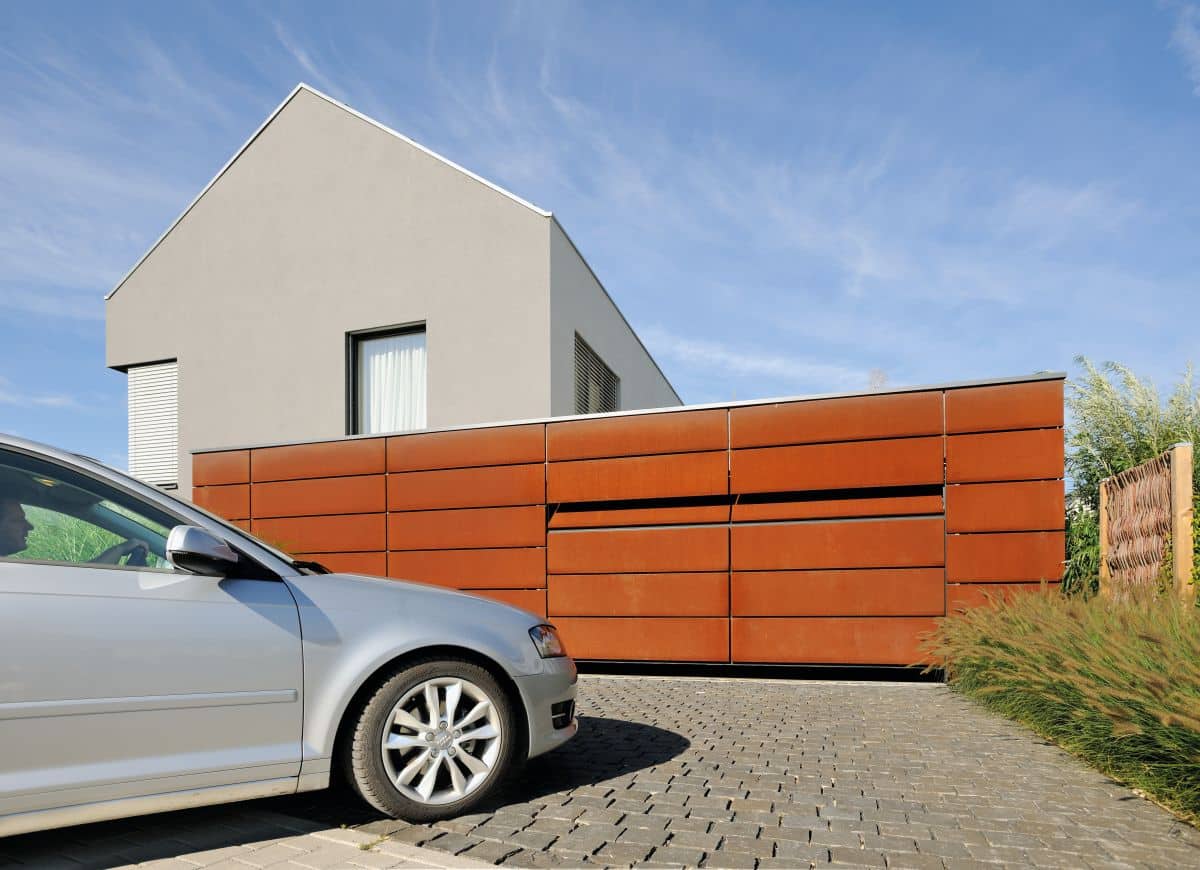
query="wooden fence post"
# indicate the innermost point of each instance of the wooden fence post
(1105, 575)
(1181, 519)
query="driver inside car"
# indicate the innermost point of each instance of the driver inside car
(15, 528)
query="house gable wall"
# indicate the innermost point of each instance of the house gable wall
(324, 225)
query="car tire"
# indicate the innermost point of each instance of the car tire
(437, 770)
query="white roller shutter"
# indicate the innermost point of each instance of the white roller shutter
(154, 423)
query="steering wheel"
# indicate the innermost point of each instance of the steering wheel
(137, 557)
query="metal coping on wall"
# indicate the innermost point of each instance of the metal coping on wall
(747, 403)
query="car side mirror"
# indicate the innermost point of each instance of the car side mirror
(200, 551)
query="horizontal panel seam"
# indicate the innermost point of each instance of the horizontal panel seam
(937, 433)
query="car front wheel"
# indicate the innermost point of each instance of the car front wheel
(432, 741)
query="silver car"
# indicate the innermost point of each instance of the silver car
(152, 657)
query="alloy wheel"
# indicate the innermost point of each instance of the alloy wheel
(441, 741)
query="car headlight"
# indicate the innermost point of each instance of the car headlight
(547, 641)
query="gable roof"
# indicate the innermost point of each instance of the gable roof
(304, 87)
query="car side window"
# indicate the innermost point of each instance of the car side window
(51, 513)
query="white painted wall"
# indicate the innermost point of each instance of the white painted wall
(327, 224)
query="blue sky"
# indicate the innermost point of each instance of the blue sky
(783, 198)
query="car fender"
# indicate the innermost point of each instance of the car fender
(350, 632)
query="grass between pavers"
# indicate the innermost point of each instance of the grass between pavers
(1117, 685)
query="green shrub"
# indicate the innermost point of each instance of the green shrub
(1081, 574)
(1117, 685)
(1117, 420)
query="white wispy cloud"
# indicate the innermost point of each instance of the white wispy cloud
(1185, 38)
(718, 358)
(303, 58)
(9, 395)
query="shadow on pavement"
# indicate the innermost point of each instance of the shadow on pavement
(604, 749)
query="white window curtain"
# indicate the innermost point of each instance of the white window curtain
(391, 383)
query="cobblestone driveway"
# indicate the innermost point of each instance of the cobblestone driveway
(748, 773)
(745, 773)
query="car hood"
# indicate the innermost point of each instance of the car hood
(413, 615)
(361, 590)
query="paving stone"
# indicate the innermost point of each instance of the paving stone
(801, 851)
(489, 831)
(648, 821)
(856, 857)
(749, 845)
(731, 860)
(608, 833)
(579, 841)
(644, 836)
(902, 861)
(694, 840)
(452, 843)
(534, 841)
(671, 854)
(628, 805)
(839, 839)
(623, 853)
(600, 817)
(736, 829)
(691, 824)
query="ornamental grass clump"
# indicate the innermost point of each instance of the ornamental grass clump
(1116, 684)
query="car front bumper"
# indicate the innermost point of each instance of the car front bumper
(549, 699)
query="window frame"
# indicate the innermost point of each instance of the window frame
(354, 340)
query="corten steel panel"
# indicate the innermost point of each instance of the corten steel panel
(467, 487)
(854, 418)
(679, 432)
(242, 524)
(470, 528)
(645, 639)
(640, 516)
(639, 594)
(1011, 406)
(838, 508)
(327, 459)
(373, 564)
(1028, 454)
(338, 534)
(214, 469)
(1032, 505)
(879, 592)
(903, 543)
(322, 496)
(506, 568)
(636, 551)
(466, 448)
(963, 596)
(1005, 556)
(231, 501)
(664, 476)
(850, 640)
(853, 464)
(533, 600)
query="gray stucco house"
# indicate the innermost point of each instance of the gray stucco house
(337, 278)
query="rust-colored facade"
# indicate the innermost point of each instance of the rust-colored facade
(815, 531)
